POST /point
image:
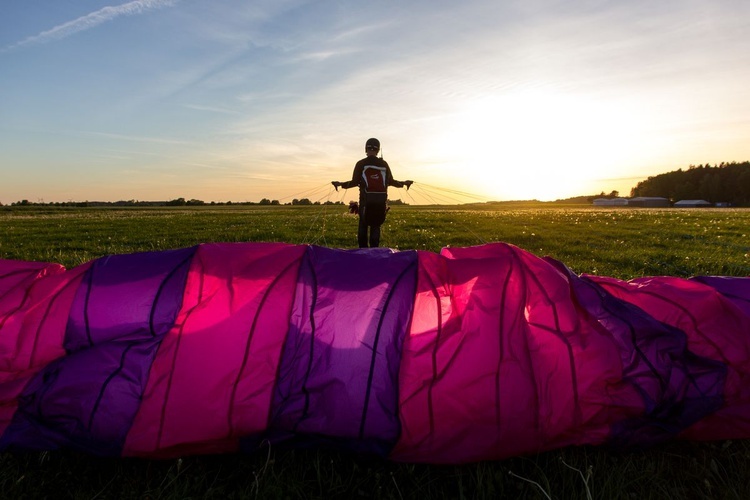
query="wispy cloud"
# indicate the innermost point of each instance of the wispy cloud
(212, 109)
(133, 138)
(92, 20)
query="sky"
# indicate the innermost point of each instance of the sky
(229, 100)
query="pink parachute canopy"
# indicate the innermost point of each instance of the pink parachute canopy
(471, 354)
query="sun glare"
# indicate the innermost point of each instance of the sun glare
(534, 144)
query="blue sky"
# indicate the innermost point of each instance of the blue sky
(235, 100)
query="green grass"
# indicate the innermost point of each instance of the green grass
(623, 243)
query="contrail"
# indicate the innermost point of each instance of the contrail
(91, 20)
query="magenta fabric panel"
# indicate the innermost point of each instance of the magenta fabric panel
(471, 354)
(717, 327)
(87, 399)
(212, 379)
(499, 362)
(735, 289)
(678, 387)
(35, 300)
(17, 273)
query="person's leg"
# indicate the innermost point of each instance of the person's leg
(374, 236)
(362, 232)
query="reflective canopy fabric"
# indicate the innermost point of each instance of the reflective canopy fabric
(212, 379)
(87, 398)
(471, 354)
(34, 303)
(340, 366)
(511, 354)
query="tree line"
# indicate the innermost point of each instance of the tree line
(177, 202)
(727, 182)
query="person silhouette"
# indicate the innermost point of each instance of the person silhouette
(373, 176)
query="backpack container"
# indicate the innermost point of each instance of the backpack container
(375, 194)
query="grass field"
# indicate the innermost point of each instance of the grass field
(623, 243)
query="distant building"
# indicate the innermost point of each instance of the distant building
(648, 201)
(610, 202)
(692, 204)
(723, 204)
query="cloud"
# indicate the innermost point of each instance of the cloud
(133, 138)
(92, 20)
(211, 109)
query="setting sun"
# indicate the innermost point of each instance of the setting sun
(533, 144)
(496, 100)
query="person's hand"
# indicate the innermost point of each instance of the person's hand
(408, 184)
(336, 184)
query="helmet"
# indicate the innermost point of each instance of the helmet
(372, 143)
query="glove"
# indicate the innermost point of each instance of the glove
(408, 184)
(336, 184)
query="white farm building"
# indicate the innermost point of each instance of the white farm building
(692, 204)
(610, 202)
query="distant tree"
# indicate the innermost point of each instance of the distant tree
(265, 201)
(193, 202)
(177, 202)
(275, 202)
(728, 182)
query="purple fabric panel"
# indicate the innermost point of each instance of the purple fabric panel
(88, 399)
(132, 296)
(338, 377)
(678, 387)
(735, 289)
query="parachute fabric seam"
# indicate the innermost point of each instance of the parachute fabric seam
(375, 348)
(251, 333)
(684, 310)
(439, 323)
(566, 342)
(8, 275)
(46, 316)
(111, 376)
(26, 296)
(501, 350)
(89, 283)
(633, 340)
(303, 388)
(198, 302)
(163, 284)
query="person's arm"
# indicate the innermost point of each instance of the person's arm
(355, 179)
(393, 182)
